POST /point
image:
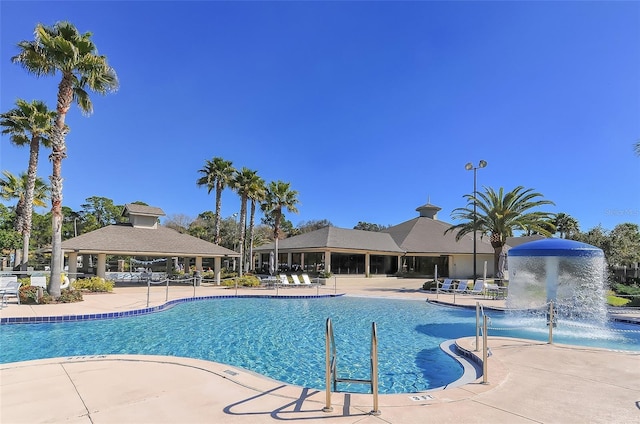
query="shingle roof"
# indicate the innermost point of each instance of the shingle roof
(136, 209)
(335, 238)
(124, 239)
(426, 235)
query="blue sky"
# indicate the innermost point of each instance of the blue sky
(368, 109)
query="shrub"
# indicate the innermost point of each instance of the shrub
(428, 285)
(28, 294)
(244, 281)
(70, 296)
(93, 284)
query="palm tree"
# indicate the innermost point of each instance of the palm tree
(565, 225)
(61, 48)
(257, 192)
(279, 195)
(12, 187)
(28, 124)
(499, 214)
(242, 183)
(636, 148)
(217, 173)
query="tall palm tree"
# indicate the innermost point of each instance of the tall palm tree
(242, 183)
(216, 174)
(565, 224)
(28, 124)
(61, 48)
(499, 214)
(636, 147)
(12, 187)
(257, 192)
(278, 196)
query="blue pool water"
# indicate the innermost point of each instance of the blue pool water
(284, 338)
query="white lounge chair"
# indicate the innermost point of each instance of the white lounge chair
(495, 291)
(11, 289)
(296, 280)
(284, 281)
(306, 281)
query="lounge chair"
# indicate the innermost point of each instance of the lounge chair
(11, 289)
(478, 288)
(495, 291)
(445, 287)
(296, 280)
(39, 281)
(306, 281)
(462, 286)
(284, 281)
(6, 279)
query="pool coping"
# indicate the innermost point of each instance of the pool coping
(145, 311)
(610, 315)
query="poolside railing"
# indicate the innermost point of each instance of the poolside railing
(331, 371)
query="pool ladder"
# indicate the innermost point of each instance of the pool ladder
(331, 371)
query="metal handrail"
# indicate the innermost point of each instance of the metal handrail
(331, 374)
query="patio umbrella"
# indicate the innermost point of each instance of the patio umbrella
(271, 264)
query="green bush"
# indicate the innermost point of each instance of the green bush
(244, 281)
(428, 285)
(70, 296)
(631, 292)
(29, 296)
(93, 284)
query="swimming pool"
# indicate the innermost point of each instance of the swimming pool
(284, 338)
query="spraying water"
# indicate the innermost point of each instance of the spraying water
(567, 272)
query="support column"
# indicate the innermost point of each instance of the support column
(367, 264)
(101, 268)
(302, 262)
(73, 266)
(199, 263)
(327, 261)
(216, 268)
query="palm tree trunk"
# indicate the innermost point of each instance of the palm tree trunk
(34, 150)
(251, 225)
(216, 228)
(56, 212)
(58, 153)
(243, 219)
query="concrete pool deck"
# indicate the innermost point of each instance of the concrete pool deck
(528, 381)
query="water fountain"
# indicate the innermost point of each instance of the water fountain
(566, 272)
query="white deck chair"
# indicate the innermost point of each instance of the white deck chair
(284, 281)
(11, 289)
(296, 280)
(306, 281)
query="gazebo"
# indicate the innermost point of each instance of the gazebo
(142, 237)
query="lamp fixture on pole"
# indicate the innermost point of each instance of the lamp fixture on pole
(470, 167)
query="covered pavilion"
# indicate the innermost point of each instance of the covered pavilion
(142, 237)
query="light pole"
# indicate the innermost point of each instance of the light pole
(470, 167)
